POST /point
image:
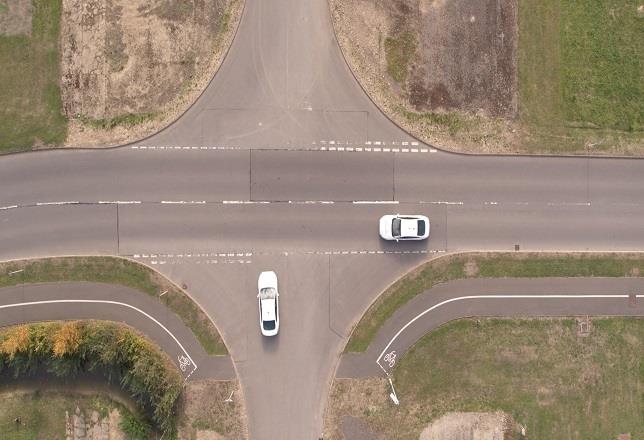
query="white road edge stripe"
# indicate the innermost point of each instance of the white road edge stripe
(100, 301)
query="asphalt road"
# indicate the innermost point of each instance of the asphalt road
(263, 172)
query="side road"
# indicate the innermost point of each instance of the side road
(84, 300)
(501, 297)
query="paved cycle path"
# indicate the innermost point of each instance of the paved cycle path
(499, 297)
(82, 300)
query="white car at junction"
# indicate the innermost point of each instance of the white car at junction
(404, 227)
(268, 299)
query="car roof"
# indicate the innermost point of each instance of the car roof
(268, 310)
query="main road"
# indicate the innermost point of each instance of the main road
(285, 164)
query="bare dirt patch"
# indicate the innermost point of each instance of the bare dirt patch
(209, 412)
(351, 403)
(15, 17)
(445, 71)
(470, 426)
(131, 67)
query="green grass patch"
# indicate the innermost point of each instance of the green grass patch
(126, 120)
(31, 111)
(452, 122)
(42, 414)
(117, 271)
(399, 51)
(554, 382)
(581, 78)
(450, 268)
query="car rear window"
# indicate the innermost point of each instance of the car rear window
(421, 227)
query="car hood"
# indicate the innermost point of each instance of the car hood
(385, 226)
(267, 279)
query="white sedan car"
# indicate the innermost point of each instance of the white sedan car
(268, 297)
(404, 227)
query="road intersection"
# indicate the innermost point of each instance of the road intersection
(284, 164)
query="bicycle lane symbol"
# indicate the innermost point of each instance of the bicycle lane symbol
(390, 358)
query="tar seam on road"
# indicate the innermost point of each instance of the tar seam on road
(250, 175)
(330, 303)
(393, 178)
(118, 234)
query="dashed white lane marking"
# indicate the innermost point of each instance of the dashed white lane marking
(116, 303)
(57, 203)
(324, 145)
(245, 257)
(464, 298)
(119, 202)
(245, 202)
(314, 202)
(375, 202)
(183, 202)
(440, 202)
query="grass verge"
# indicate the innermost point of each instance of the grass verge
(580, 75)
(550, 379)
(31, 111)
(117, 271)
(494, 265)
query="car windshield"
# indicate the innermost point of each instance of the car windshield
(421, 228)
(395, 227)
(267, 293)
(269, 325)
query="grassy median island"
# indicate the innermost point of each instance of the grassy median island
(487, 265)
(117, 271)
(31, 113)
(542, 372)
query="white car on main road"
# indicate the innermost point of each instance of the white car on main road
(268, 298)
(404, 227)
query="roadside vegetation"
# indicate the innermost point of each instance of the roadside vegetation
(43, 415)
(123, 356)
(500, 76)
(31, 113)
(580, 76)
(117, 271)
(486, 265)
(552, 380)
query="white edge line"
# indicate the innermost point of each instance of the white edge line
(100, 301)
(461, 298)
(4, 208)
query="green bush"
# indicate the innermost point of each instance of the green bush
(66, 349)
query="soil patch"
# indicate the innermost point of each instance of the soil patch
(470, 426)
(443, 70)
(15, 17)
(129, 67)
(212, 410)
